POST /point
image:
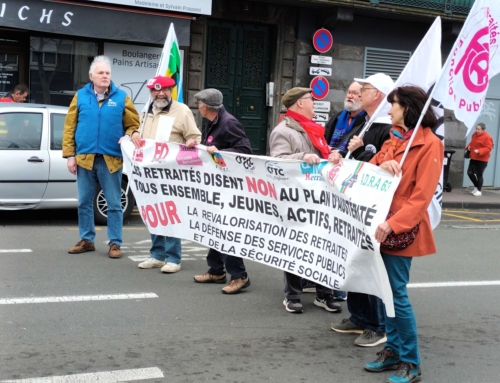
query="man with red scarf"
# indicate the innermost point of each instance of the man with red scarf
(298, 137)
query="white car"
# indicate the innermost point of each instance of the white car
(33, 173)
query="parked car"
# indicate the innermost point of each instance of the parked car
(33, 174)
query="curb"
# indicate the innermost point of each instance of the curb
(471, 205)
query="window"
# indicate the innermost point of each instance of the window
(390, 62)
(20, 131)
(56, 130)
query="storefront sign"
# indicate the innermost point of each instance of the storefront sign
(322, 60)
(321, 106)
(316, 71)
(74, 20)
(202, 7)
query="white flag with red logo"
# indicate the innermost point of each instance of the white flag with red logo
(473, 60)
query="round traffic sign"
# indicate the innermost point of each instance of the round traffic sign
(320, 87)
(322, 40)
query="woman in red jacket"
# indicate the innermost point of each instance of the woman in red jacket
(419, 178)
(480, 148)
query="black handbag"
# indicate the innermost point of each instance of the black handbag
(467, 154)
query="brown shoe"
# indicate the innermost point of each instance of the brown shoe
(236, 285)
(114, 251)
(81, 247)
(210, 278)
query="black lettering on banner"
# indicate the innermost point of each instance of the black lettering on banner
(254, 204)
(291, 196)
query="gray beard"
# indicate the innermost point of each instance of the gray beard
(356, 105)
(160, 103)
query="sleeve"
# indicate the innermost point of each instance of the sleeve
(427, 176)
(237, 140)
(383, 135)
(68, 142)
(330, 128)
(191, 131)
(130, 117)
(280, 146)
(487, 147)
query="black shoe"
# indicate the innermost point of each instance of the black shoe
(328, 303)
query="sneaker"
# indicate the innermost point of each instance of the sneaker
(309, 287)
(236, 285)
(293, 305)
(347, 327)
(339, 295)
(114, 251)
(210, 278)
(406, 373)
(81, 247)
(477, 193)
(328, 303)
(387, 360)
(171, 267)
(473, 191)
(150, 263)
(370, 338)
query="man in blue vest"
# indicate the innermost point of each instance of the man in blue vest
(99, 115)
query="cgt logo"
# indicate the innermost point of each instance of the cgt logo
(313, 172)
(247, 163)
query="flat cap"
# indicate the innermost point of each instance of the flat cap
(210, 97)
(291, 97)
(159, 82)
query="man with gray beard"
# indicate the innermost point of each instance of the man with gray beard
(166, 251)
(347, 123)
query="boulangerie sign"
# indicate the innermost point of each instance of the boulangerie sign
(315, 221)
(203, 7)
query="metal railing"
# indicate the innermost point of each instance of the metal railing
(446, 6)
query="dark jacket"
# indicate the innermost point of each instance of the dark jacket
(332, 122)
(373, 139)
(226, 133)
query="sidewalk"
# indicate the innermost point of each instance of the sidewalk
(460, 198)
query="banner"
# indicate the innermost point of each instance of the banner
(315, 221)
(473, 60)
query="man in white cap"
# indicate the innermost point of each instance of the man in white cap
(367, 311)
(166, 251)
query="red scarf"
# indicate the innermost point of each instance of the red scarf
(315, 132)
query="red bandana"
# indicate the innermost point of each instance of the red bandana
(315, 132)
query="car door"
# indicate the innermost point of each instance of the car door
(24, 159)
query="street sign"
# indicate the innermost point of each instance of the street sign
(322, 40)
(320, 117)
(321, 106)
(317, 71)
(320, 87)
(322, 60)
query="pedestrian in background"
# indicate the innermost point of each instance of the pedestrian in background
(480, 147)
(98, 117)
(166, 251)
(19, 94)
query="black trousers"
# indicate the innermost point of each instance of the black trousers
(475, 172)
(293, 287)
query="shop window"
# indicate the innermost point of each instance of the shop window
(58, 68)
(388, 61)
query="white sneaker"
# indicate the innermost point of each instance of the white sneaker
(171, 267)
(150, 263)
(474, 191)
(477, 193)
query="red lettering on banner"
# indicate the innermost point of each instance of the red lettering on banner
(261, 187)
(138, 155)
(161, 151)
(160, 214)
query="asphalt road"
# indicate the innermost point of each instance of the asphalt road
(193, 333)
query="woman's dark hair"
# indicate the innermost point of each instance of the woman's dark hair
(483, 127)
(413, 99)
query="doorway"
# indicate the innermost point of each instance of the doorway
(238, 64)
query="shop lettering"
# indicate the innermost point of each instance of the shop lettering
(23, 13)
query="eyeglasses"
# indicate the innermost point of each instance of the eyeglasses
(353, 93)
(306, 97)
(363, 89)
(164, 90)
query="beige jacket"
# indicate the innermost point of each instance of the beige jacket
(289, 140)
(183, 129)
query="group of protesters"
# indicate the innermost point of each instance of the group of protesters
(101, 116)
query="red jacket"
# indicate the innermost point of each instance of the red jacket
(483, 143)
(6, 99)
(421, 171)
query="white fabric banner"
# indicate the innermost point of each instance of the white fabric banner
(473, 60)
(315, 221)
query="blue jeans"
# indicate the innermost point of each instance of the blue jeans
(166, 249)
(401, 330)
(87, 181)
(367, 311)
(234, 265)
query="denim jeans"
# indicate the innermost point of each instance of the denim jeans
(166, 249)
(401, 330)
(87, 181)
(367, 311)
(234, 265)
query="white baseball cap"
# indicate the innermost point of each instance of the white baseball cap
(380, 81)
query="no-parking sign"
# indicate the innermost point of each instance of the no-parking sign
(320, 87)
(322, 40)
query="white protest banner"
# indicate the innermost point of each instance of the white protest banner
(471, 63)
(315, 221)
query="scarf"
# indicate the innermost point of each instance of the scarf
(398, 138)
(315, 132)
(342, 128)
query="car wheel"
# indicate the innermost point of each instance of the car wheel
(101, 206)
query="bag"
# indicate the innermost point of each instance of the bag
(467, 154)
(399, 241)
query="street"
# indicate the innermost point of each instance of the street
(114, 322)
